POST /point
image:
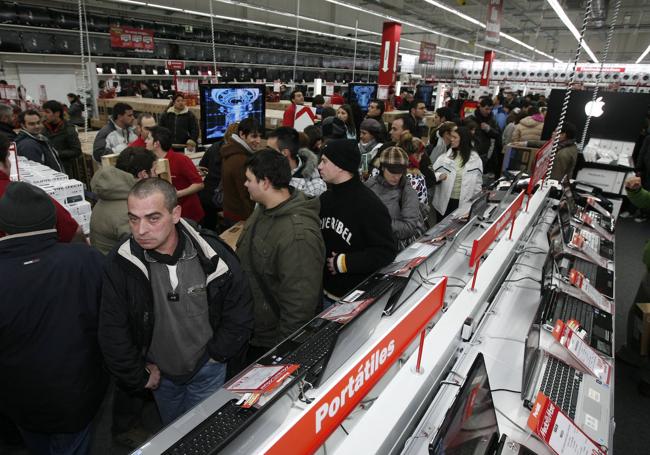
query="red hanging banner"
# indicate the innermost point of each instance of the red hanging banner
(389, 53)
(132, 38)
(488, 58)
(427, 53)
(493, 21)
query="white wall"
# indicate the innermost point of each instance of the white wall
(59, 80)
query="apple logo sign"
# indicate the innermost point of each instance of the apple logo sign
(595, 108)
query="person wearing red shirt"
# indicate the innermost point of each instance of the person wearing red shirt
(297, 99)
(185, 176)
(66, 227)
(142, 125)
(336, 98)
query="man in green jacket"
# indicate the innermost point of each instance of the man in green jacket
(63, 137)
(281, 250)
(641, 199)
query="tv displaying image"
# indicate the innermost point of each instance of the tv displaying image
(362, 94)
(224, 104)
(424, 92)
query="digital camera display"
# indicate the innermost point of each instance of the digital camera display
(224, 104)
(362, 94)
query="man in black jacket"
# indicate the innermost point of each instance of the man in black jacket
(63, 137)
(356, 225)
(31, 144)
(176, 306)
(7, 122)
(487, 132)
(52, 380)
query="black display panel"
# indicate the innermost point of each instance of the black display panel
(224, 104)
(362, 94)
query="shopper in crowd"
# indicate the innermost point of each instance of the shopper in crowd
(499, 112)
(376, 110)
(337, 99)
(63, 137)
(176, 307)
(417, 111)
(318, 102)
(211, 195)
(315, 135)
(566, 155)
(142, 124)
(182, 123)
(397, 194)
(66, 227)
(419, 170)
(297, 99)
(405, 100)
(401, 124)
(441, 115)
(33, 145)
(369, 144)
(109, 222)
(459, 173)
(75, 110)
(185, 177)
(281, 250)
(440, 140)
(487, 138)
(117, 134)
(511, 123)
(355, 223)
(344, 113)
(302, 162)
(52, 381)
(237, 204)
(333, 128)
(529, 128)
(7, 122)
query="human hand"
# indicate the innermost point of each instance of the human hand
(442, 177)
(485, 127)
(331, 265)
(154, 377)
(633, 183)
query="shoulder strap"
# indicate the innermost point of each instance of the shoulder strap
(265, 290)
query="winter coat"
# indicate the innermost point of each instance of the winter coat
(284, 248)
(529, 129)
(183, 125)
(483, 139)
(306, 177)
(109, 222)
(471, 185)
(434, 150)
(641, 199)
(565, 160)
(38, 148)
(127, 318)
(52, 377)
(402, 204)
(75, 112)
(237, 204)
(8, 131)
(112, 139)
(65, 141)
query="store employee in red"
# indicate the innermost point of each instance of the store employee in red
(185, 176)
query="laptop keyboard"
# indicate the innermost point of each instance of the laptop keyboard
(377, 287)
(211, 434)
(561, 384)
(588, 269)
(570, 308)
(592, 239)
(313, 350)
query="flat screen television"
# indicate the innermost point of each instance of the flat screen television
(362, 94)
(424, 92)
(224, 104)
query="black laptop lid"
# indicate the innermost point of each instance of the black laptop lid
(565, 221)
(531, 350)
(470, 425)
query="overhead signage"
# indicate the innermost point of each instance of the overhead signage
(486, 71)
(325, 414)
(389, 53)
(597, 69)
(427, 53)
(175, 65)
(132, 38)
(493, 21)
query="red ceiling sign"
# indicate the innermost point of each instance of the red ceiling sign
(389, 52)
(486, 72)
(132, 38)
(427, 53)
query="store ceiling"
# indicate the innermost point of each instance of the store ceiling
(532, 22)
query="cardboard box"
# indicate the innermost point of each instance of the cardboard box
(640, 336)
(231, 235)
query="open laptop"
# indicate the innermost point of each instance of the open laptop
(577, 211)
(582, 397)
(503, 192)
(600, 277)
(604, 247)
(470, 425)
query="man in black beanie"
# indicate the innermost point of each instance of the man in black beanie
(356, 225)
(52, 380)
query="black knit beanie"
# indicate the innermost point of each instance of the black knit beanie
(344, 153)
(26, 208)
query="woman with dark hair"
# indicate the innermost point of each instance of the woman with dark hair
(459, 173)
(182, 123)
(344, 113)
(75, 111)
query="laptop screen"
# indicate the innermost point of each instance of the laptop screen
(470, 425)
(565, 221)
(531, 349)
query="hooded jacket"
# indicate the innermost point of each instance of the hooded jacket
(65, 140)
(306, 177)
(183, 125)
(470, 186)
(237, 204)
(402, 204)
(36, 147)
(284, 248)
(109, 222)
(127, 319)
(112, 139)
(528, 129)
(52, 380)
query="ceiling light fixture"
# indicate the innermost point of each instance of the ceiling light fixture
(640, 59)
(574, 31)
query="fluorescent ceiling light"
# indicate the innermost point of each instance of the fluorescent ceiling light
(640, 59)
(574, 31)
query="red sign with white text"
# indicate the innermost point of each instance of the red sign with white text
(482, 244)
(486, 72)
(175, 65)
(132, 38)
(389, 52)
(493, 21)
(558, 431)
(596, 69)
(540, 167)
(325, 414)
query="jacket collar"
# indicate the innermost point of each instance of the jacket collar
(171, 110)
(240, 141)
(37, 137)
(28, 242)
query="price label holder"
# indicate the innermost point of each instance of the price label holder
(588, 359)
(579, 243)
(594, 297)
(597, 228)
(558, 431)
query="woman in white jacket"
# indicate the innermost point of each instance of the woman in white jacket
(459, 173)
